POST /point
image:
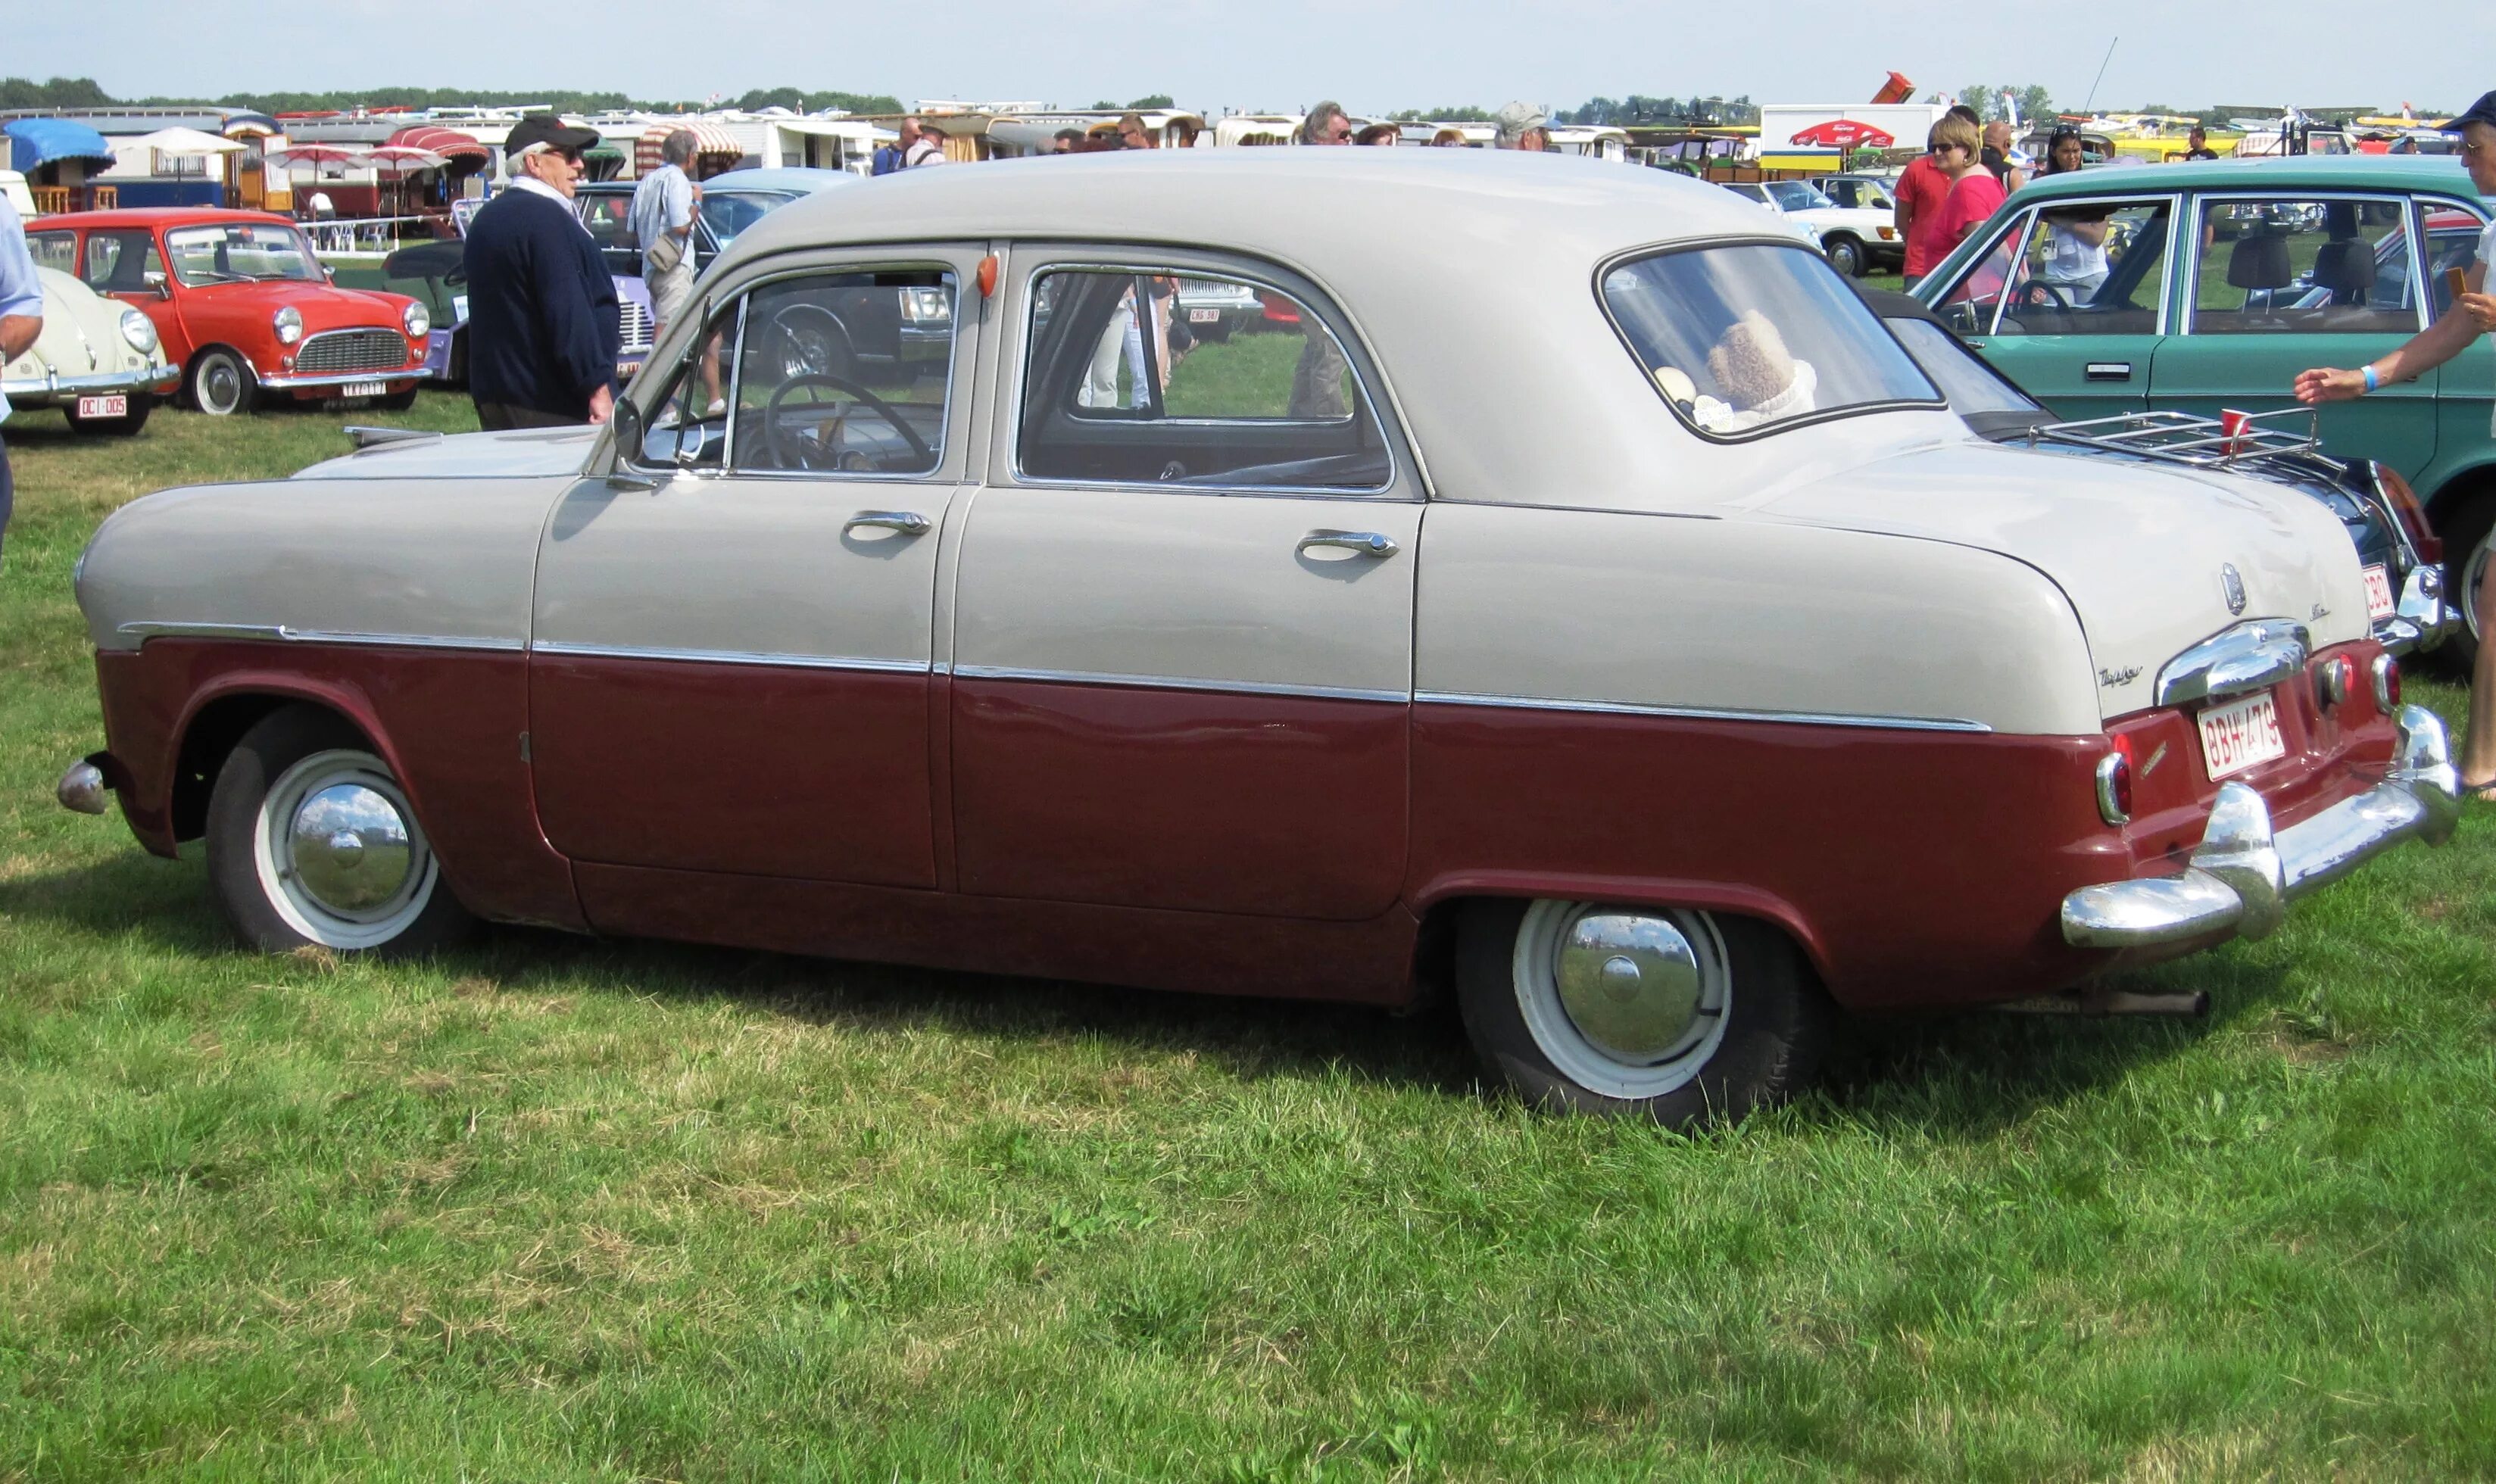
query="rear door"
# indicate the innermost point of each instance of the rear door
(1183, 612)
(2071, 303)
(2283, 282)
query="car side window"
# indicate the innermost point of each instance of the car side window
(2452, 242)
(122, 262)
(844, 373)
(52, 249)
(1192, 379)
(688, 426)
(2093, 268)
(1970, 305)
(2285, 266)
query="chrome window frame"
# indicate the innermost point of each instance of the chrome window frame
(2411, 220)
(955, 397)
(1650, 253)
(1392, 434)
(2476, 208)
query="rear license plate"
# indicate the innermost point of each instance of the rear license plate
(2379, 592)
(2241, 734)
(1202, 316)
(103, 407)
(364, 389)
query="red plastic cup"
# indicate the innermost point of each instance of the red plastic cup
(2235, 426)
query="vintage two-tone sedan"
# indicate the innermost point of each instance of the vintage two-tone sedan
(1649, 650)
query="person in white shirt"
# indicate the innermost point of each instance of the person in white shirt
(921, 146)
(663, 223)
(2472, 315)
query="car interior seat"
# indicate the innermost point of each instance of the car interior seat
(2347, 268)
(2258, 264)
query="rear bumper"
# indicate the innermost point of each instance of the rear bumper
(2244, 874)
(57, 390)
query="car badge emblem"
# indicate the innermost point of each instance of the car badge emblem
(2124, 676)
(2155, 758)
(2233, 583)
(2319, 611)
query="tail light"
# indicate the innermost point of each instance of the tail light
(2404, 501)
(2387, 683)
(2114, 784)
(2333, 679)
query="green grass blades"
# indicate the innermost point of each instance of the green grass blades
(555, 1209)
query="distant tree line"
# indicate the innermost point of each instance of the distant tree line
(1148, 101)
(1637, 108)
(85, 93)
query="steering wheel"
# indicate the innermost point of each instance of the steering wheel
(2036, 294)
(790, 454)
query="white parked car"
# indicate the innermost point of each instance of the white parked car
(97, 360)
(1648, 652)
(1857, 238)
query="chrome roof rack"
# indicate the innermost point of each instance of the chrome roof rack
(2183, 438)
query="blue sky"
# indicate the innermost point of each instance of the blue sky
(1376, 55)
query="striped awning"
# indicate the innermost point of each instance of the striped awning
(450, 144)
(709, 138)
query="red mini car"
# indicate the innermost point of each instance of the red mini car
(245, 306)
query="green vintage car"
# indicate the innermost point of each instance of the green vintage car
(2206, 287)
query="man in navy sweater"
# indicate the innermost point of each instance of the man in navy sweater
(544, 327)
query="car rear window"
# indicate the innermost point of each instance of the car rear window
(1747, 338)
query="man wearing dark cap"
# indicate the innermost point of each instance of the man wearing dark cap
(2471, 316)
(544, 327)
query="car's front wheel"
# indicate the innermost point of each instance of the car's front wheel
(2469, 545)
(311, 842)
(1845, 255)
(222, 384)
(1678, 1015)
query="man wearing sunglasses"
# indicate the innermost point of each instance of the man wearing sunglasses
(544, 326)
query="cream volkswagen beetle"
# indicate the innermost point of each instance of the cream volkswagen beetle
(1573, 594)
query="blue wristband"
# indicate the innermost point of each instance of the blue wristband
(2373, 382)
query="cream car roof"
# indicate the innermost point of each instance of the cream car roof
(1470, 275)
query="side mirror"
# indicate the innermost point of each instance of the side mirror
(628, 432)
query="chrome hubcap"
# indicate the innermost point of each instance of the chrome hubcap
(1629, 982)
(219, 386)
(350, 848)
(1626, 1002)
(340, 854)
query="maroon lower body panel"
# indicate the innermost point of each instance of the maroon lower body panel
(768, 770)
(1915, 868)
(1211, 801)
(1202, 952)
(448, 723)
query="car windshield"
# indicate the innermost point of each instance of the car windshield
(240, 252)
(727, 215)
(1748, 337)
(1971, 387)
(1795, 196)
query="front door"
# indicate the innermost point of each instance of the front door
(2070, 304)
(1183, 616)
(730, 668)
(2285, 283)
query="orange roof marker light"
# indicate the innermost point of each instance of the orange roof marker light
(987, 275)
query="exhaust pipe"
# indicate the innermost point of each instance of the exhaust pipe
(2192, 1004)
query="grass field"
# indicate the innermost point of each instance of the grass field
(558, 1209)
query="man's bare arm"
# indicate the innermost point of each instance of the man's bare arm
(17, 332)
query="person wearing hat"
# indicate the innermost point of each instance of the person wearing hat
(1521, 126)
(543, 325)
(2471, 316)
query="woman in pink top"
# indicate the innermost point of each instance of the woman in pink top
(1974, 193)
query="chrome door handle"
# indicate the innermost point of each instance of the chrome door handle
(907, 522)
(1369, 544)
(2109, 371)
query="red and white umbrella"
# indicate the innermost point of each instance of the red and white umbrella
(402, 160)
(315, 156)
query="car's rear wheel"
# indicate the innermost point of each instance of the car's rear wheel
(2468, 535)
(222, 384)
(311, 843)
(1677, 1015)
(123, 426)
(1845, 255)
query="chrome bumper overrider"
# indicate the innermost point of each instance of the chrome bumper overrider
(55, 388)
(2244, 874)
(2423, 618)
(84, 788)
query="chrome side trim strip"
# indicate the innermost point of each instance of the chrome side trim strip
(1177, 683)
(731, 657)
(1702, 712)
(153, 629)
